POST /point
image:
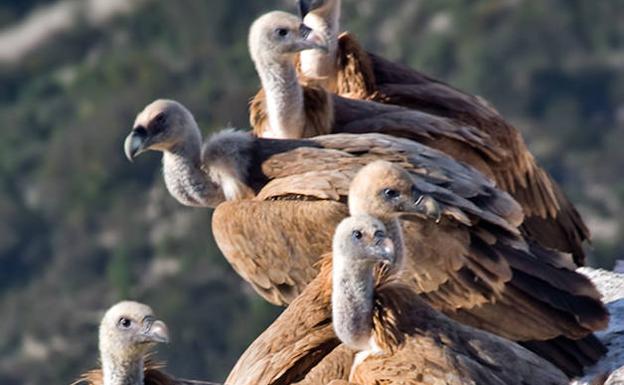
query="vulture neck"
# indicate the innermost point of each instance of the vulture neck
(315, 63)
(352, 301)
(284, 98)
(353, 293)
(118, 371)
(393, 226)
(185, 179)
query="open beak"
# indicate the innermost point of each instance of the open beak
(134, 145)
(157, 331)
(312, 39)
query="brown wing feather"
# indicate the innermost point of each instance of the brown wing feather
(551, 219)
(473, 259)
(274, 245)
(454, 267)
(421, 346)
(297, 341)
(361, 116)
(336, 366)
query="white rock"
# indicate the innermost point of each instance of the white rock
(611, 286)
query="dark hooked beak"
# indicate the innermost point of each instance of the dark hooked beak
(385, 248)
(134, 144)
(304, 7)
(425, 204)
(156, 331)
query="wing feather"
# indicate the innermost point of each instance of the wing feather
(551, 219)
(275, 245)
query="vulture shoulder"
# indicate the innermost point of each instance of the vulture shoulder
(422, 346)
(297, 341)
(274, 245)
(551, 219)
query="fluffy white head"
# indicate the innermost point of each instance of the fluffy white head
(128, 331)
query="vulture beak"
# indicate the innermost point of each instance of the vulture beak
(384, 247)
(312, 39)
(134, 144)
(425, 204)
(156, 331)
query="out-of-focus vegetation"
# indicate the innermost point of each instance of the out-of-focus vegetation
(81, 228)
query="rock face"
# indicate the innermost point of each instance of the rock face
(609, 370)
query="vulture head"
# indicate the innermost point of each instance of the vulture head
(361, 243)
(128, 331)
(278, 36)
(164, 125)
(383, 189)
(362, 240)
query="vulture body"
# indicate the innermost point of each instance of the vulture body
(376, 95)
(278, 202)
(402, 340)
(467, 258)
(128, 332)
(423, 345)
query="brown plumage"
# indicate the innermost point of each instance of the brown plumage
(284, 198)
(532, 298)
(302, 187)
(426, 347)
(469, 260)
(406, 341)
(356, 74)
(419, 345)
(296, 342)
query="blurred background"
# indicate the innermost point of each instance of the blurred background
(81, 228)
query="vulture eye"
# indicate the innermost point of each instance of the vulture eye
(281, 32)
(379, 234)
(158, 123)
(390, 193)
(160, 118)
(356, 234)
(124, 323)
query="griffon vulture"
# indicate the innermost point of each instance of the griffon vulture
(128, 332)
(399, 338)
(285, 197)
(413, 343)
(287, 109)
